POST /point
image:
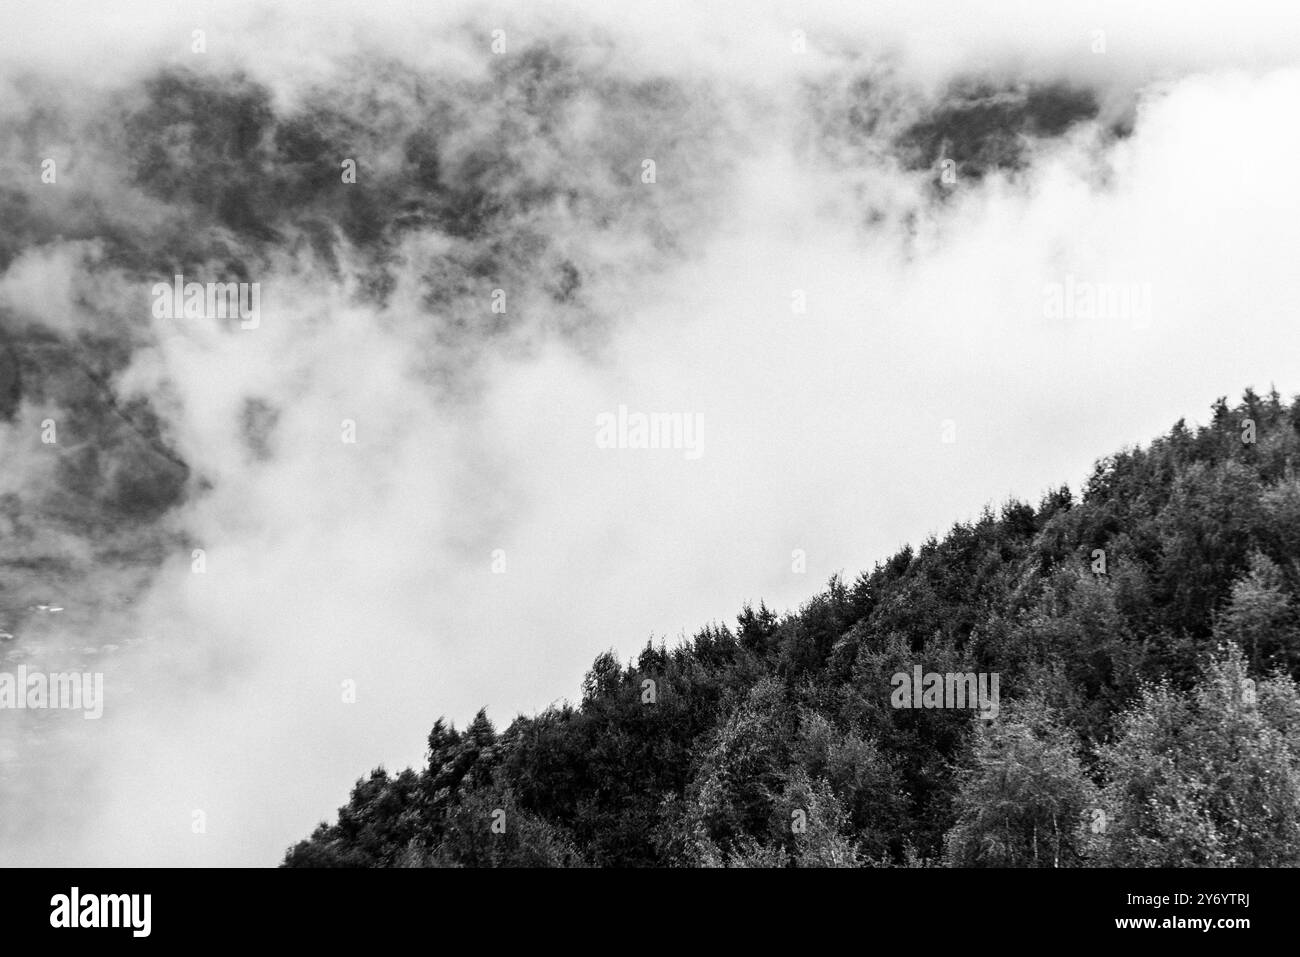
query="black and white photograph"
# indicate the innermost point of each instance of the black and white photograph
(667, 438)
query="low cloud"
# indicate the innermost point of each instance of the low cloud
(794, 276)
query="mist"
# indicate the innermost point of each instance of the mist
(387, 503)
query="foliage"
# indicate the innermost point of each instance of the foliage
(1122, 621)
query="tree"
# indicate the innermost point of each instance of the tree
(1026, 800)
(488, 828)
(778, 744)
(1260, 618)
(734, 792)
(1209, 778)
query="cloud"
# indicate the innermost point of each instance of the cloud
(372, 562)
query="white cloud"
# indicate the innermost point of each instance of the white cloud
(372, 562)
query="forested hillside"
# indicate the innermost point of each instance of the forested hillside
(1147, 640)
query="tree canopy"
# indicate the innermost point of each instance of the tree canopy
(1146, 635)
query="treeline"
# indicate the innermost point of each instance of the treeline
(1147, 640)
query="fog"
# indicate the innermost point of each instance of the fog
(474, 546)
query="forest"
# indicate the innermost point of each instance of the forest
(1146, 634)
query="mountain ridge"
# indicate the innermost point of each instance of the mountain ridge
(1162, 598)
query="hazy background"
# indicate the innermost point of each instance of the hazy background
(372, 562)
